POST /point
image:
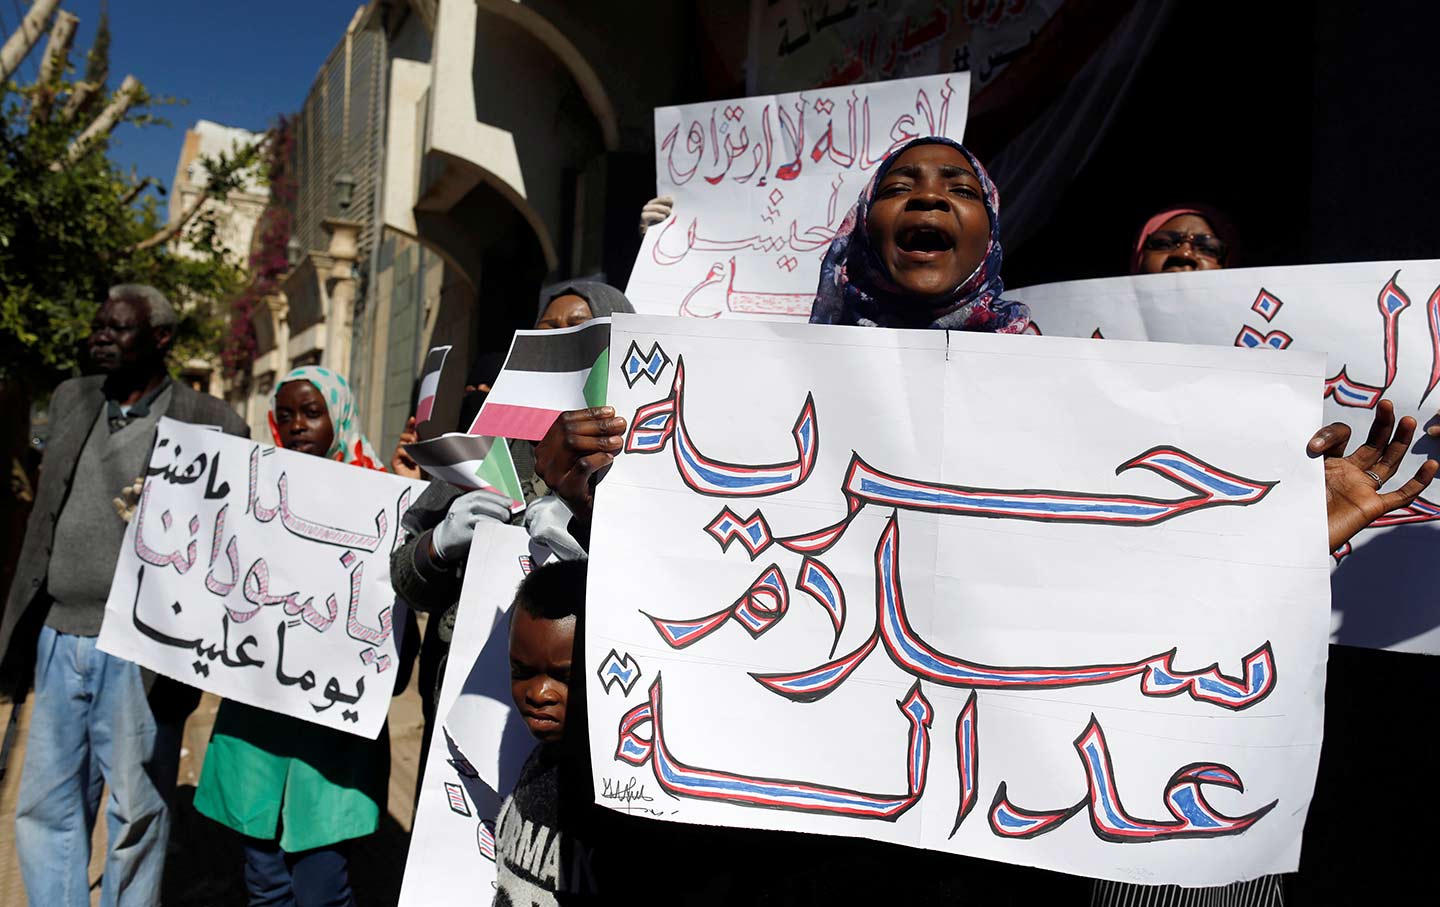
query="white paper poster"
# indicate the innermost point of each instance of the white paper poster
(760, 184)
(1380, 324)
(477, 752)
(263, 575)
(1045, 601)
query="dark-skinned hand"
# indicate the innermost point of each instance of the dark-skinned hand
(1353, 499)
(401, 463)
(580, 443)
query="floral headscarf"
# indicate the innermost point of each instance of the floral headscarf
(855, 287)
(350, 444)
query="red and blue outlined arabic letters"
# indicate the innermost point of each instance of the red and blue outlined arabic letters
(679, 779)
(1192, 816)
(657, 424)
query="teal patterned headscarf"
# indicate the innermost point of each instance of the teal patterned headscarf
(350, 444)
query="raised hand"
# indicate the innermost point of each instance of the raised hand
(400, 463)
(1353, 499)
(655, 211)
(580, 443)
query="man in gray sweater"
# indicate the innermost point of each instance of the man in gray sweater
(97, 719)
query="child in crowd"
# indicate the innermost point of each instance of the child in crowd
(542, 854)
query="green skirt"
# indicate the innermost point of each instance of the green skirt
(267, 775)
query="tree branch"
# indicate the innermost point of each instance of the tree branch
(223, 175)
(23, 39)
(57, 56)
(135, 191)
(169, 232)
(80, 95)
(129, 92)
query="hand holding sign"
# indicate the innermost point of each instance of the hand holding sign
(452, 537)
(655, 211)
(580, 444)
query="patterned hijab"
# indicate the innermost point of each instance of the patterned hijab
(350, 445)
(855, 287)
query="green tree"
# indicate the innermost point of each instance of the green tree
(72, 224)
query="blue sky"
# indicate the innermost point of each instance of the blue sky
(237, 63)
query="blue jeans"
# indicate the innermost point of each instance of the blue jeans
(311, 878)
(91, 726)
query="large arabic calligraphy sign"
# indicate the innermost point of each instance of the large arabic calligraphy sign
(1380, 324)
(760, 184)
(1053, 602)
(263, 576)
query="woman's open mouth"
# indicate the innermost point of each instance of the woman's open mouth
(923, 242)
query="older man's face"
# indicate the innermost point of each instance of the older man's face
(121, 336)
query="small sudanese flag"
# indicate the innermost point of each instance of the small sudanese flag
(430, 383)
(471, 462)
(546, 373)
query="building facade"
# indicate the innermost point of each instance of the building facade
(235, 217)
(451, 157)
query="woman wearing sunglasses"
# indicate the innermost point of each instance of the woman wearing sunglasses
(1191, 238)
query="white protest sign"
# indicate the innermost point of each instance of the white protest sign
(263, 575)
(478, 750)
(761, 184)
(1380, 324)
(1083, 625)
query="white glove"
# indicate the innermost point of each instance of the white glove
(655, 211)
(452, 537)
(548, 522)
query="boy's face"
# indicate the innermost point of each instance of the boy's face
(540, 652)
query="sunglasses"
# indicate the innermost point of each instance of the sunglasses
(1205, 245)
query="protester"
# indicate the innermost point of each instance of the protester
(1189, 238)
(96, 718)
(553, 844)
(541, 856)
(428, 569)
(297, 791)
(921, 249)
